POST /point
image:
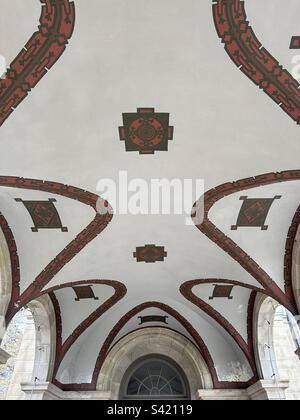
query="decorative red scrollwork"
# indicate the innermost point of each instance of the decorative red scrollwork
(39, 54)
(247, 52)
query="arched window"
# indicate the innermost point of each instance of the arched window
(154, 378)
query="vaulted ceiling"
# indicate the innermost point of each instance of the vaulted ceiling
(68, 106)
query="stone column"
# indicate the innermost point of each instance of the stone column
(24, 362)
(268, 390)
(297, 352)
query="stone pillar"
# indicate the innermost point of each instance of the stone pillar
(268, 390)
(24, 362)
(4, 356)
(297, 318)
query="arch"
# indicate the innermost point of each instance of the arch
(62, 348)
(243, 46)
(228, 245)
(46, 46)
(118, 327)
(95, 228)
(33, 352)
(45, 338)
(186, 289)
(5, 278)
(275, 340)
(149, 341)
(294, 266)
(263, 337)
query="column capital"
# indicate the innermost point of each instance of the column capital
(222, 394)
(48, 391)
(268, 390)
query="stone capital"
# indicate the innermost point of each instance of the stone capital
(268, 390)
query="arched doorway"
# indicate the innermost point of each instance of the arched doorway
(30, 340)
(276, 338)
(153, 378)
(168, 347)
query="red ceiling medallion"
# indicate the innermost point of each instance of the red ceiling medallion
(249, 55)
(146, 131)
(40, 53)
(150, 254)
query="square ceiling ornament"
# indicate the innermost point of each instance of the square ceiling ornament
(146, 131)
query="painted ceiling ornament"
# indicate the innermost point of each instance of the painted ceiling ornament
(222, 291)
(153, 318)
(150, 254)
(249, 55)
(84, 292)
(43, 214)
(295, 43)
(254, 212)
(146, 131)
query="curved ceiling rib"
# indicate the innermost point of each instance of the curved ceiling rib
(118, 327)
(99, 223)
(249, 55)
(63, 347)
(288, 258)
(14, 261)
(228, 245)
(186, 324)
(40, 53)
(186, 290)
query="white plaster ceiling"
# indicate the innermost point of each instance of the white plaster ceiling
(128, 54)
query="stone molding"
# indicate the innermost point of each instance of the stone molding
(261, 390)
(222, 394)
(268, 390)
(46, 391)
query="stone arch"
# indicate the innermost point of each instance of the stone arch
(159, 341)
(33, 360)
(5, 282)
(263, 337)
(45, 338)
(296, 269)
